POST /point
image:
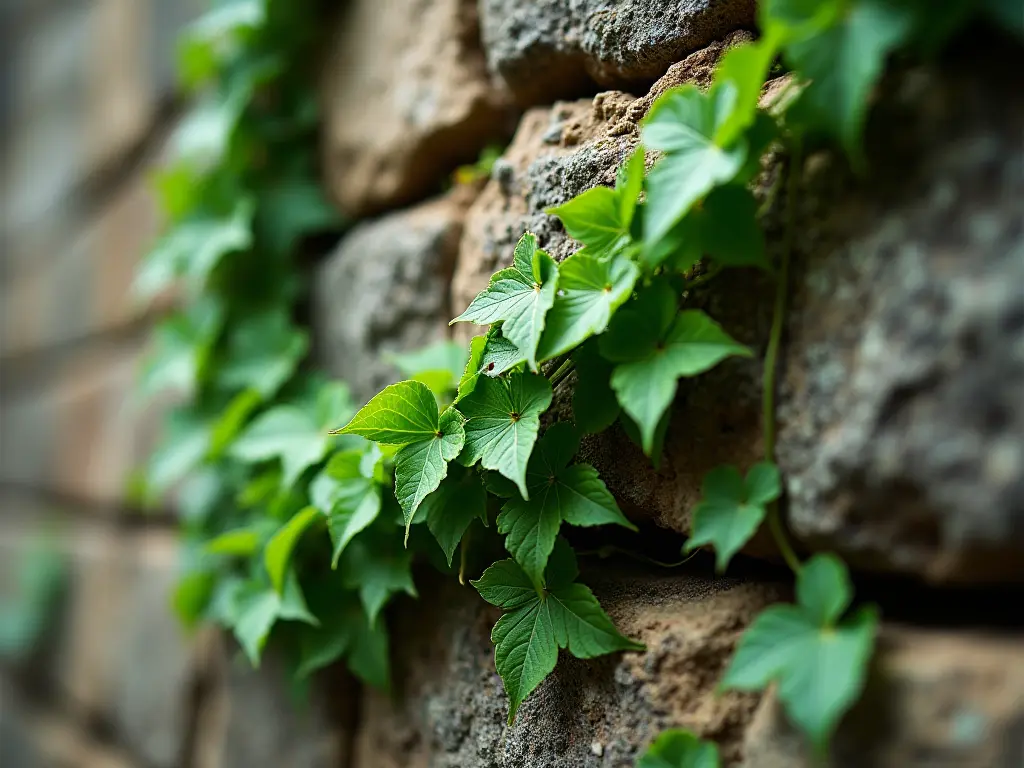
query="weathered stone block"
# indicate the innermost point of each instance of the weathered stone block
(547, 49)
(901, 429)
(73, 423)
(385, 289)
(406, 99)
(452, 708)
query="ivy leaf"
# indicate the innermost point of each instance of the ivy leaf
(181, 346)
(746, 67)
(278, 552)
(590, 290)
(344, 630)
(594, 406)
(502, 421)
(818, 661)
(420, 467)
(378, 567)
(401, 414)
(186, 442)
(575, 494)
(259, 607)
(732, 509)
(471, 374)
(676, 748)
(519, 297)
(527, 637)
(724, 227)
(683, 123)
(450, 509)
(348, 498)
(284, 432)
(601, 218)
(232, 419)
(500, 355)
(653, 352)
(192, 249)
(263, 352)
(843, 62)
(292, 207)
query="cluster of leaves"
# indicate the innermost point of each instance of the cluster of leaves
(309, 533)
(247, 454)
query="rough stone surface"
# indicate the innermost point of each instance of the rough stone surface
(901, 426)
(406, 98)
(451, 708)
(557, 153)
(935, 700)
(384, 289)
(547, 49)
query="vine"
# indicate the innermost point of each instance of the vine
(310, 534)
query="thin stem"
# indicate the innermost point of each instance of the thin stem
(607, 550)
(561, 373)
(707, 277)
(463, 555)
(772, 354)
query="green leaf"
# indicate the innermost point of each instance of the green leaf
(527, 637)
(500, 355)
(263, 352)
(683, 123)
(629, 183)
(1007, 13)
(595, 219)
(819, 665)
(844, 62)
(732, 509)
(401, 414)
(746, 67)
(292, 207)
(278, 552)
(518, 297)
(575, 494)
(192, 249)
(286, 433)
(676, 748)
(378, 567)
(231, 421)
(368, 659)
(724, 227)
(420, 467)
(502, 421)
(650, 364)
(239, 542)
(594, 406)
(590, 290)
(345, 629)
(191, 597)
(181, 346)
(472, 372)
(450, 509)
(186, 442)
(259, 607)
(349, 498)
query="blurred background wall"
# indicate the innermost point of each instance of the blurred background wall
(87, 102)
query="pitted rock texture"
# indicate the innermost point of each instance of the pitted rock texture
(557, 153)
(549, 49)
(406, 98)
(385, 289)
(901, 433)
(601, 713)
(934, 700)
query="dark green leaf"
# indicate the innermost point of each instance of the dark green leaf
(502, 421)
(452, 507)
(278, 552)
(676, 748)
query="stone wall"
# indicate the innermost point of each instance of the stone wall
(901, 416)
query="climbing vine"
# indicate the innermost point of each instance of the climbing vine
(309, 533)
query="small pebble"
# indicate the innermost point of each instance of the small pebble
(597, 748)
